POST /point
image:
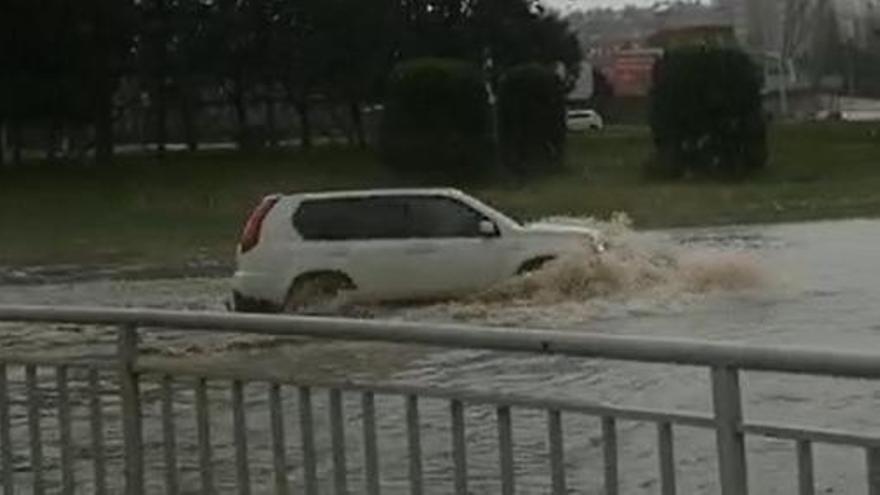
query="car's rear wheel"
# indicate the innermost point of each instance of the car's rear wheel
(316, 293)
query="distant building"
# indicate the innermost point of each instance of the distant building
(631, 70)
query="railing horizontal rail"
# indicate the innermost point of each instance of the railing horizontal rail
(51, 362)
(678, 351)
(817, 435)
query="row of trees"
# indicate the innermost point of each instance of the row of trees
(64, 63)
(439, 126)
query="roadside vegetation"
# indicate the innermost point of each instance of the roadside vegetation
(191, 206)
(467, 93)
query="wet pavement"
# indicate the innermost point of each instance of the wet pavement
(811, 284)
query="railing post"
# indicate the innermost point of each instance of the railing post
(131, 410)
(7, 483)
(727, 403)
(872, 456)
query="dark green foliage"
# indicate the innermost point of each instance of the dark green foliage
(76, 71)
(436, 121)
(62, 63)
(532, 119)
(706, 115)
(512, 32)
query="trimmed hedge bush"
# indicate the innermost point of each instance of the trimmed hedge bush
(706, 114)
(436, 123)
(532, 119)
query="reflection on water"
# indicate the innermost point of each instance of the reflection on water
(812, 284)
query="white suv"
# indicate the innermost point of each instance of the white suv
(404, 244)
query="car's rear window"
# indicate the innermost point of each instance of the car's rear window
(351, 218)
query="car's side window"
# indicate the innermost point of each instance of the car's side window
(351, 219)
(438, 217)
(380, 218)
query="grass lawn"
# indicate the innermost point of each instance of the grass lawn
(187, 206)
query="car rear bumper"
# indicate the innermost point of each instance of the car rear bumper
(254, 292)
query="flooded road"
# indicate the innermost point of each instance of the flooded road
(811, 284)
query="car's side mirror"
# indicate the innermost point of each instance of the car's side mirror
(488, 229)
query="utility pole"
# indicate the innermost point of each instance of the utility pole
(4, 143)
(782, 69)
(488, 69)
(781, 65)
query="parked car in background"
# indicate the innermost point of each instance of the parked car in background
(583, 120)
(302, 250)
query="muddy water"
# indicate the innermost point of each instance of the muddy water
(811, 284)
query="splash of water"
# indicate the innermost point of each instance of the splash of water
(633, 265)
(639, 273)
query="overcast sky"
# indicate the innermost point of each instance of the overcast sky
(569, 5)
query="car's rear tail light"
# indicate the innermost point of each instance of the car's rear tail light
(250, 236)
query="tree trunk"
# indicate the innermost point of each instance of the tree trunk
(104, 130)
(161, 118)
(305, 123)
(238, 102)
(357, 120)
(2, 143)
(16, 142)
(160, 76)
(103, 113)
(53, 131)
(271, 122)
(189, 105)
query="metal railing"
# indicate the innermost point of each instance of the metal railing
(126, 389)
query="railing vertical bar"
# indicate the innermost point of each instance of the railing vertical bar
(557, 454)
(872, 456)
(806, 481)
(666, 454)
(279, 443)
(239, 420)
(414, 441)
(609, 450)
(6, 471)
(308, 441)
(371, 450)
(34, 400)
(727, 404)
(505, 450)
(96, 421)
(337, 439)
(169, 436)
(204, 437)
(131, 410)
(68, 484)
(459, 447)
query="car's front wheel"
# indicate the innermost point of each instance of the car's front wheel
(316, 292)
